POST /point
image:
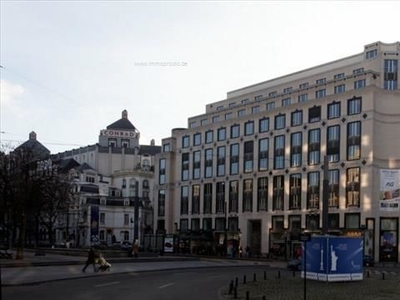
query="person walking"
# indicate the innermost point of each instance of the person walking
(91, 260)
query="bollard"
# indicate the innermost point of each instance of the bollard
(279, 274)
(263, 298)
(231, 287)
(247, 295)
(236, 281)
(383, 276)
(367, 273)
(265, 275)
(254, 277)
(294, 273)
(235, 293)
(244, 279)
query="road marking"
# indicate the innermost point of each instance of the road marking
(165, 285)
(106, 284)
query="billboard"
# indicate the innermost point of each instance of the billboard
(389, 191)
(331, 258)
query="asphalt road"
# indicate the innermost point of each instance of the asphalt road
(193, 284)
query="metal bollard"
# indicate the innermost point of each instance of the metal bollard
(236, 282)
(265, 275)
(367, 273)
(254, 277)
(383, 276)
(235, 293)
(279, 274)
(263, 298)
(244, 279)
(294, 273)
(247, 295)
(231, 287)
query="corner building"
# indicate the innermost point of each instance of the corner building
(249, 172)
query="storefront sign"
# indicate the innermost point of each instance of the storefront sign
(119, 134)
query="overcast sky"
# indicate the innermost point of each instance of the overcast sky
(69, 68)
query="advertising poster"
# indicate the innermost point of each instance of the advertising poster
(169, 244)
(332, 258)
(389, 192)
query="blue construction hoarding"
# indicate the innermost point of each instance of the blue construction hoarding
(332, 258)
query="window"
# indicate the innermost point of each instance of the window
(232, 104)
(338, 76)
(280, 121)
(207, 224)
(207, 192)
(358, 71)
(340, 89)
(248, 156)
(353, 140)
(184, 224)
(197, 139)
(278, 192)
(287, 90)
(195, 224)
(125, 143)
(302, 98)
(314, 144)
(184, 200)
(359, 84)
(263, 145)
(352, 220)
(297, 118)
(320, 93)
(286, 102)
(296, 142)
(320, 81)
(221, 134)
(185, 166)
(390, 69)
(234, 159)
(334, 110)
(220, 200)
(221, 161)
(247, 195)
(241, 112)
(314, 114)
(263, 125)
(244, 101)
(353, 187)
(228, 116)
(295, 191)
(208, 163)
(196, 164)
(272, 94)
(333, 198)
(215, 119)
(303, 86)
(255, 109)
(161, 203)
(192, 124)
(313, 189)
(262, 194)
(112, 143)
(166, 147)
(209, 136)
(102, 218)
(195, 199)
(233, 196)
(204, 122)
(220, 108)
(161, 167)
(270, 105)
(235, 131)
(279, 152)
(333, 143)
(249, 128)
(371, 54)
(185, 141)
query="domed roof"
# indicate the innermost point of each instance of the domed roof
(123, 123)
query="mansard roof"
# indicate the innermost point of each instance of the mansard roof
(123, 123)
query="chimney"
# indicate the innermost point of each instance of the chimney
(124, 114)
(32, 136)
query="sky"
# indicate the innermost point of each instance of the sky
(69, 68)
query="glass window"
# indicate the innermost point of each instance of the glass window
(279, 152)
(280, 121)
(272, 94)
(333, 143)
(314, 145)
(371, 54)
(166, 147)
(353, 187)
(278, 193)
(233, 196)
(234, 159)
(333, 198)
(184, 200)
(195, 200)
(297, 118)
(161, 165)
(197, 139)
(353, 140)
(255, 109)
(313, 190)
(204, 122)
(359, 84)
(334, 110)
(228, 116)
(338, 76)
(207, 203)
(302, 98)
(320, 93)
(208, 163)
(296, 143)
(241, 112)
(314, 114)
(286, 102)
(262, 194)
(340, 89)
(320, 81)
(295, 191)
(235, 131)
(358, 71)
(196, 164)
(185, 141)
(244, 101)
(248, 156)
(249, 128)
(263, 125)
(247, 195)
(221, 161)
(354, 106)
(215, 119)
(270, 105)
(221, 134)
(303, 85)
(185, 166)
(263, 146)
(209, 136)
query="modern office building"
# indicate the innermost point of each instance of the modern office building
(249, 171)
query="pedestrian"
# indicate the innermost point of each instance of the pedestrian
(91, 260)
(135, 248)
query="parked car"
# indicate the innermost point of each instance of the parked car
(368, 261)
(294, 264)
(126, 245)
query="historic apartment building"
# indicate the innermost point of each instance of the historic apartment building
(113, 185)
(249, 171)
